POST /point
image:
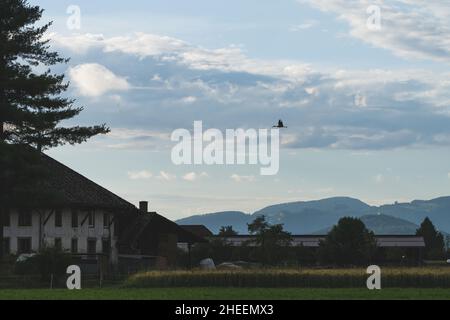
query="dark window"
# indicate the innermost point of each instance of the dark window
(74, 219)
(23, 245)
(106, 246)
(58, 219)
(58, 244)
(92, 246)
(6, 246)
(25, 219)
(7, 219)
(91, 221)
(106, 220)
(74, 246)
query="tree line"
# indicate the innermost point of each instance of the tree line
(349, 243)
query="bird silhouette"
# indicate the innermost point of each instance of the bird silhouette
(280, 125)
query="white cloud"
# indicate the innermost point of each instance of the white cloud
(308, 24)
(168, 49)
(189, 100)
(379, 178)
(193, 176)
(409, 28)
(341, 109)
(165, 176)
(78, 43)
(240, 178)
(448, 175)
(94, 80)
(140, 175)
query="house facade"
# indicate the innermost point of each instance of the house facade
(71, 230)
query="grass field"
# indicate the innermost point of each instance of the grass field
(224, 294)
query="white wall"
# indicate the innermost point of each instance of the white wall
(66, 232)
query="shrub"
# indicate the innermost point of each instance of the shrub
(27, 267)
(52, 261)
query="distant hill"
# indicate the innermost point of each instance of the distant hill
(382, 224)
(306, 217)
(438, 210)
(213, 221)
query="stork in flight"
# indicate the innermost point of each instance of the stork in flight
(280, 125)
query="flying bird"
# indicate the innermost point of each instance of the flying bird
(280, 125)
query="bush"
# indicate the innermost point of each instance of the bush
(27, 267)
(50, 261)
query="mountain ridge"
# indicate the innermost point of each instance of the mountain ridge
(306, 217)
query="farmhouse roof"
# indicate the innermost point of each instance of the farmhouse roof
(61, 186)
(152, 222)
(199, 230)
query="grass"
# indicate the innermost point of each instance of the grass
(429, 277)
(226, 294)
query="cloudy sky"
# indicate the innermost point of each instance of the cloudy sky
(368, 111)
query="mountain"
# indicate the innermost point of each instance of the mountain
(306, 217)
(438, 210)
(213, 221)
(309, 216)
(382, 224)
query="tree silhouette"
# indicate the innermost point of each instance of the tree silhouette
(434, 241)
(348, 243)
(227, 231)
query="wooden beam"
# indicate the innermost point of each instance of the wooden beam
(85, 218)
(48, 217)
(112, 220)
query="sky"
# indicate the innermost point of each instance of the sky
(367, 110)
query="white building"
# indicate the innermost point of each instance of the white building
(72, 230)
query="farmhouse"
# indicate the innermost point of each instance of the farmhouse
(90, 222)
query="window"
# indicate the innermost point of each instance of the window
(6, 246)
(74, 246)
(106, 220)
(106, 246)
(74, 219)
(25, 219)
(58, 244)
(92, 246)
(91, 219)
(23, 245)
(7, 219)
(58, 219)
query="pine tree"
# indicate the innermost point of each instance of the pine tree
(31, 102)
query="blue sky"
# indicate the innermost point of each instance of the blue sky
(368, 111)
